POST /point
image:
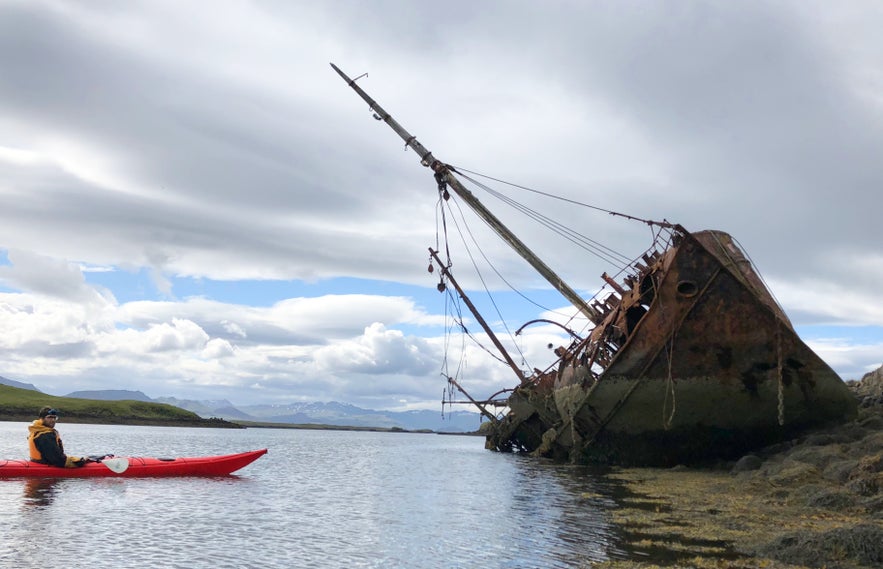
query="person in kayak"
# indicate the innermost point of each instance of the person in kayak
(44, 442)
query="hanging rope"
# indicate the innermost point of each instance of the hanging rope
(669, 389)
(479, 273)
(780, 391)
(779, 371)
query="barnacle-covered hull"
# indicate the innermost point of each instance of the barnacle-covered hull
(691, 358)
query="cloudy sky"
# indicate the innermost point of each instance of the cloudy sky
(193, 204)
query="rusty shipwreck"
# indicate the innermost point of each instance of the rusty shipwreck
(688, 357)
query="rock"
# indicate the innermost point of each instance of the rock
(839, 472)
(870, 389)
(830, 499)
(874, 505)
(791, 473)
(862, 543)
(820, 439)
(872, 423)
(818, 455)
(747, 463)
(865, 479)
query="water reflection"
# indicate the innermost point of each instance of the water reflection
(563, 511)
(320, 499)
(40, 492)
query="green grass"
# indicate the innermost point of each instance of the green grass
(23, 405)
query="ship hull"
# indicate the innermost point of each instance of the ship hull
(711, 369)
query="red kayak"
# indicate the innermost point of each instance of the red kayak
(132, 467)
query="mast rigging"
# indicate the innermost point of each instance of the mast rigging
(445, 176)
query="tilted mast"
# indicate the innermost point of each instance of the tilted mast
(444, 175)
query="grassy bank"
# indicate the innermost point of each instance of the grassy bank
(23, 405)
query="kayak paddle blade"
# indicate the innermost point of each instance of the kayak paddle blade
(118, 465)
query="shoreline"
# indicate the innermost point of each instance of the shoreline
(226, 424)
(814, 501)
(213, 423)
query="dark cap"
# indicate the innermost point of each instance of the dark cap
(48, 412)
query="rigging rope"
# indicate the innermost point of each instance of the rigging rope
(621, 262)
(598, 249)
(669, 388)
(466, 332)
(781, 389)
(479, 272)
(525, 188)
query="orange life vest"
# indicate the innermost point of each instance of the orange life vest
(38, 429)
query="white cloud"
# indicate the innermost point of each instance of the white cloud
(816, 301)
(166, 140)
(197, 346)
(851, 359)
(379, 351)
(217, 348)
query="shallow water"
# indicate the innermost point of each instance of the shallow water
(317, 499)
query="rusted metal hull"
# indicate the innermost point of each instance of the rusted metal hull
(691, 359)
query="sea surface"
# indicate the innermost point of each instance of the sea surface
(317, 499)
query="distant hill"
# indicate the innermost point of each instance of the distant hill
(17, 404)
(231, 413)
(204, 408)
(345, 415)
(111, 395)
(331, 413)
(20, 385)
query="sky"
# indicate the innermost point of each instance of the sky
(194, 204)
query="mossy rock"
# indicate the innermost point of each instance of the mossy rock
(830, 499)
(792, 473)
(862, 544)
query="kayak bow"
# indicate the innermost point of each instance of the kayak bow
(138, 467)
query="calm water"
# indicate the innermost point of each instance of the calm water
(318, 499)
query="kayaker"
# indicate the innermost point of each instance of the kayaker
(44, 442)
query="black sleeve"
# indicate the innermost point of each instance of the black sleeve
(48, 447)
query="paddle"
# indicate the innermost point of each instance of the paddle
(118, 465)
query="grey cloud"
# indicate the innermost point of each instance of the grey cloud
(52, 278)
(221, 145)
(51, 350)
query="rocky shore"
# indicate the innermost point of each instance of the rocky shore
(816, 501)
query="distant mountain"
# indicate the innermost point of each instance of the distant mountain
(207, 408)
(232, 414)
(332, 413)
(20, 385)
(342, 414)
(111, 395)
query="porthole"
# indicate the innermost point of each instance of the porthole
(687, 288)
